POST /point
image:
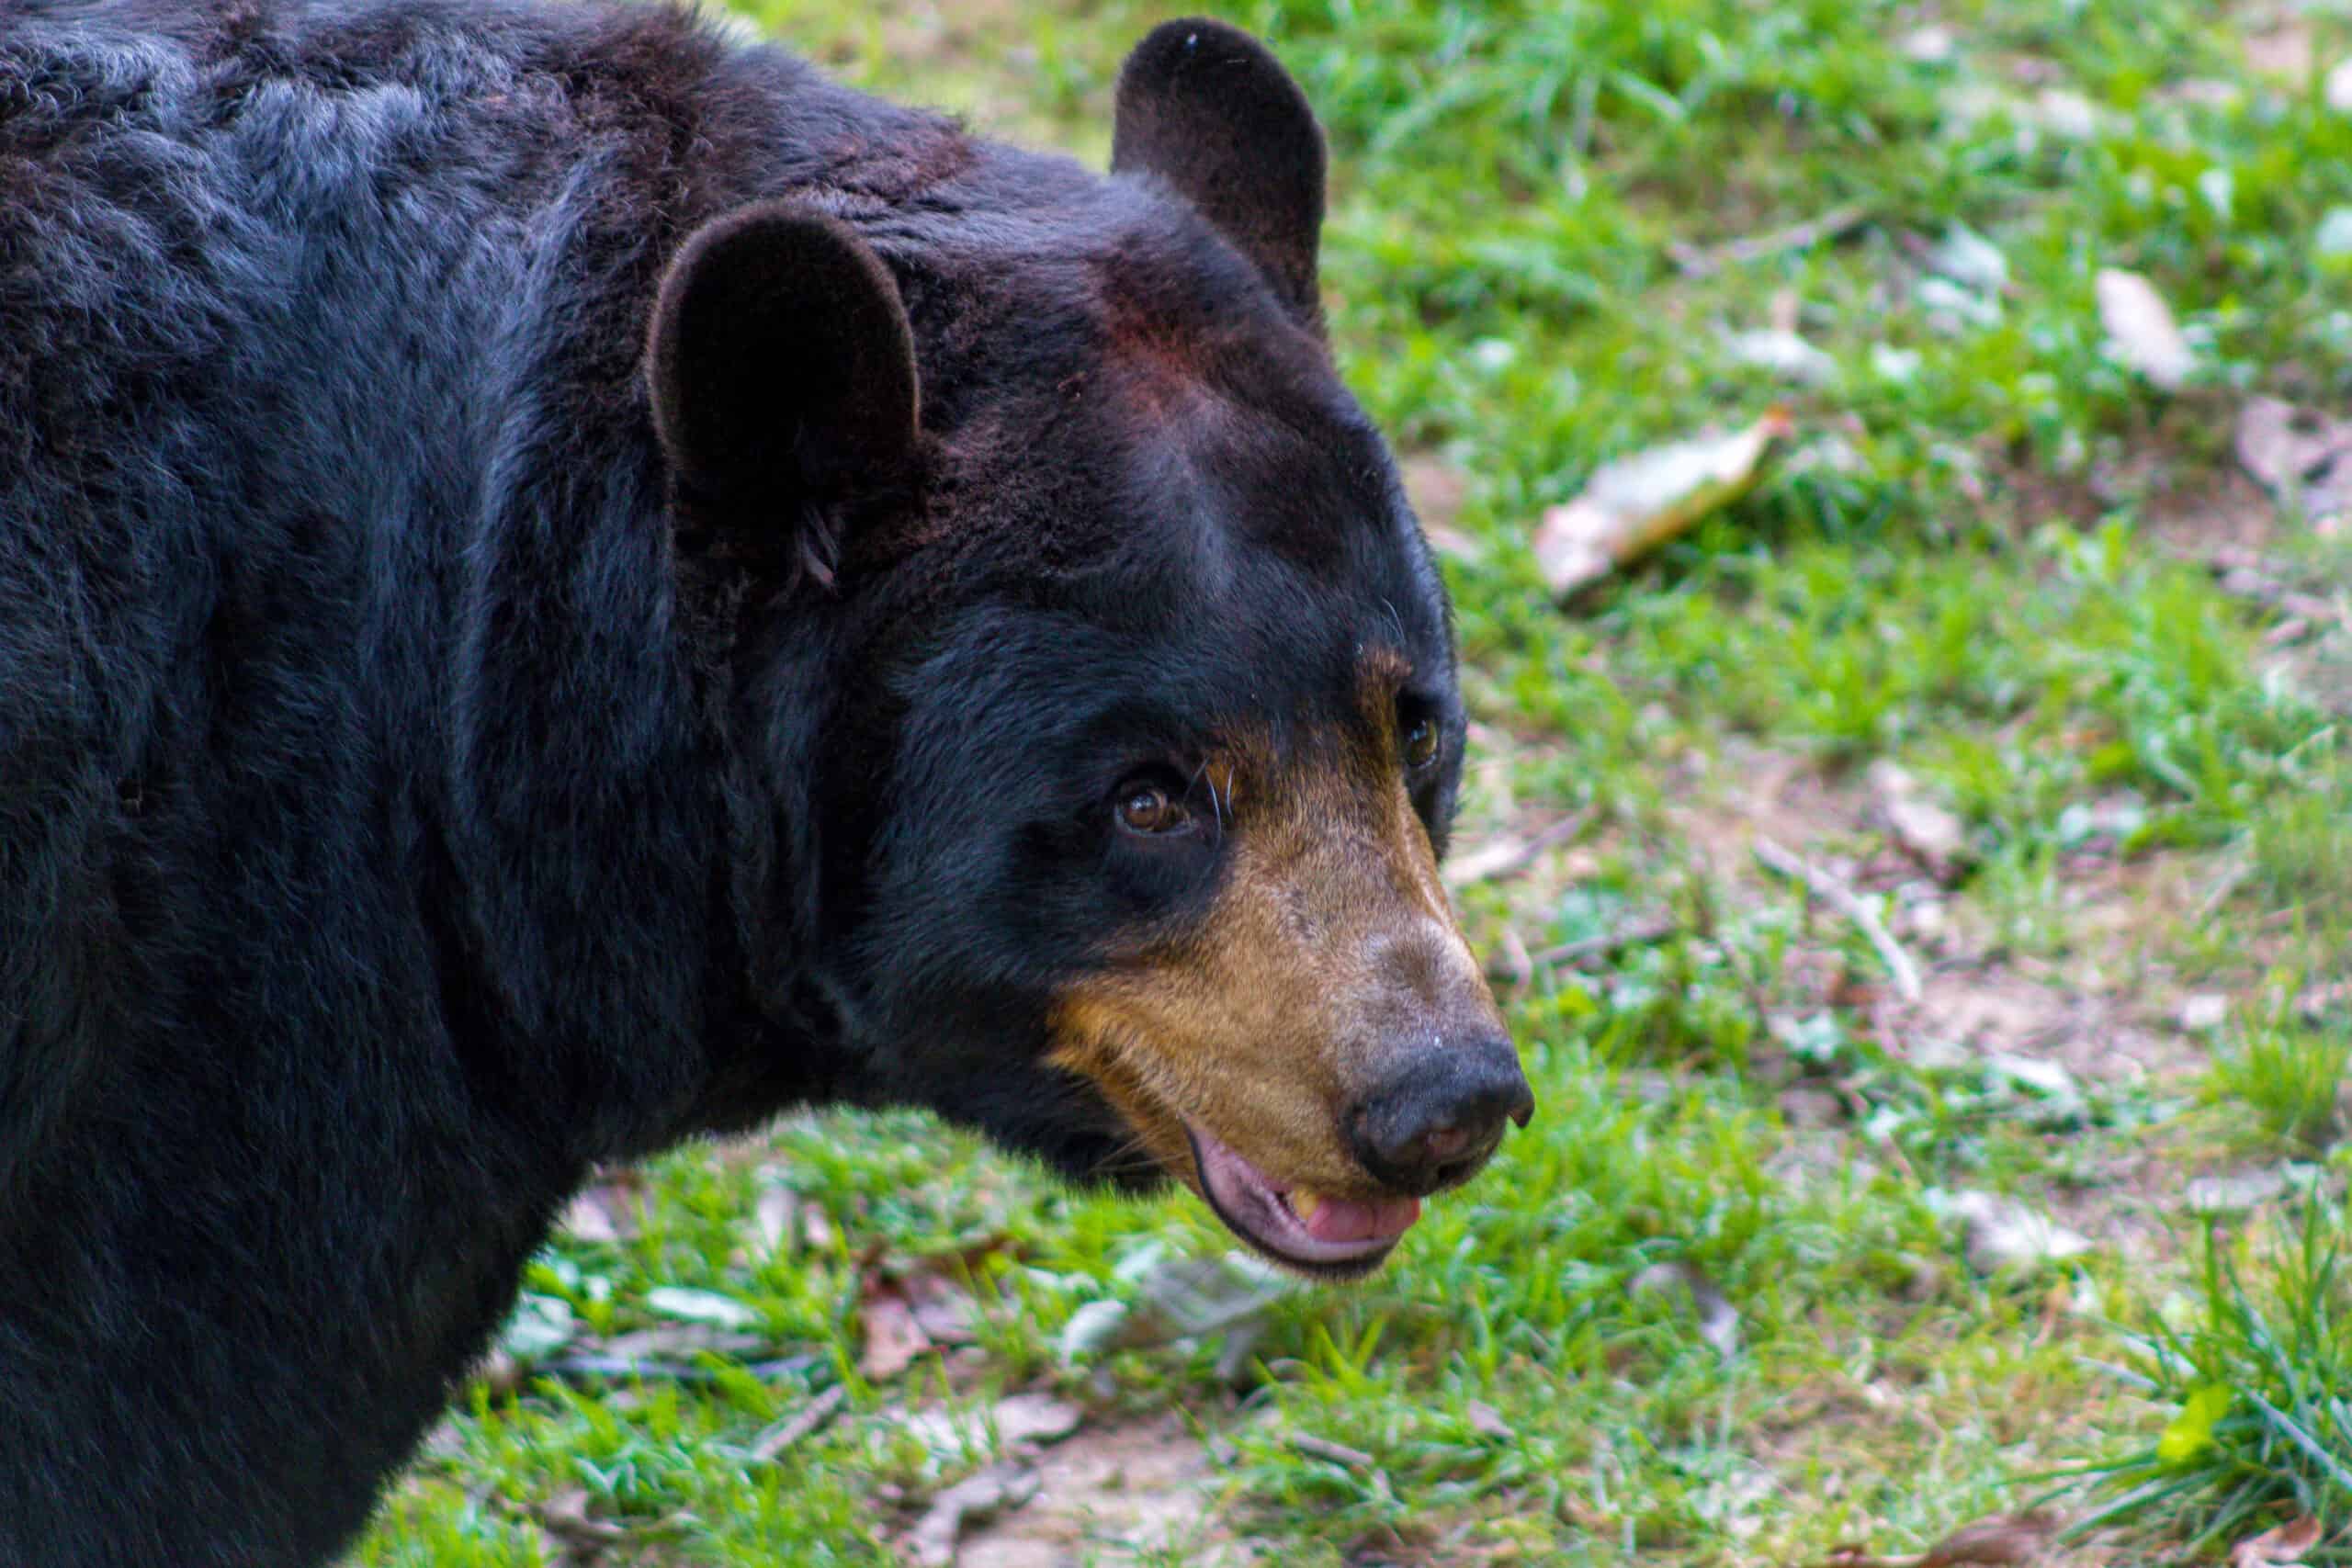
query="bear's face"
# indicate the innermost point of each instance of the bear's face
(1156, 890)
(1129, 836)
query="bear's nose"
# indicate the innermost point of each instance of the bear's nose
(1434, 1122)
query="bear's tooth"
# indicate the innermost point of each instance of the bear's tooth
(1304, 1203)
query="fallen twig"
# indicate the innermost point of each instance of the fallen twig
(595, 1366)
(800, 1425)
(1696, 261)
(1338, 1453)
(1491, 860)
(1608, 944)
(1844, 899)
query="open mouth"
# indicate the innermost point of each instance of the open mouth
(1320, 1234)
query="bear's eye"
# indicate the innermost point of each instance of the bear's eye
(1420, 742)
(1146, 807)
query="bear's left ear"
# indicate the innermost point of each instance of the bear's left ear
(781, 362)
(1205, 107)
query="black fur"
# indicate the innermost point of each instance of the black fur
(416, 787)
(1203, 105)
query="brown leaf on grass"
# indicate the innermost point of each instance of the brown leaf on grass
(942, 1309)
(1632, 505)
(2000, 1233)
(588, 1219)
(893, 1336)
(774, 1215)
(565, 1516)
(1488, 1422)
(1034, 1418)
(607, 1211)
(1718, 1319)
(2283, 51)
(2141, 331)
(2282, 1545)
(680, 1341)
(1921, 829)
(2303, 457)
(1996, 1542)
(2007, 1541)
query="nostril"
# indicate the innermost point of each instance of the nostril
(1439, 1119)
(1445, 1143)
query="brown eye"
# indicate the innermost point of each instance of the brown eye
(1147, 809)
(1420, 742)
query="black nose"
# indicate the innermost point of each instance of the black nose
(1435, 1122)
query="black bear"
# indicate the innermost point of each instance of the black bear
(567, 583)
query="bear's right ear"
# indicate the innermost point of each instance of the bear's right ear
(1209, 109)
(781, 362)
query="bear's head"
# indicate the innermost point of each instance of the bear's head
(1097, 688)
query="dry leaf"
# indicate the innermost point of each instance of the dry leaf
(1034, 1418)
(565, 1516)
(2204, 1012)
(1488, 1422)
(539, 1325)
(1782, 354)
(1718, 1319)
(971, 1501)
(2303, 459)
(1021, 1420)
(2003, 1542)
(1971, 261)
(2281, 52)
(2282, 1545)
(776, 1209)
(1094, 1328)
(700, 1306)
(893, 1338)
(678, 1341)
(2140, 326)
(588, 1219)
(2001, 1232)
(1996, 1542)
(1926, 833)
(607, 1210)
(1636, 503)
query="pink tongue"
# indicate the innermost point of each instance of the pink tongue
(1345, 1219)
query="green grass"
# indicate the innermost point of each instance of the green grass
(2289, 1074)
(2257, 1431)
(1979, 562)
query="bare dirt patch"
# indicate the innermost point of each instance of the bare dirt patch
(1106, 1495)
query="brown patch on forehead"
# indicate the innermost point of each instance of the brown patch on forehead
(1273, 1017)
(1156, 356)
(1381, 674)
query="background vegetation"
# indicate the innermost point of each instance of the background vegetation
(2006, 641)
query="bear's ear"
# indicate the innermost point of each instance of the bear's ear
(780, 361)
(1205, 107)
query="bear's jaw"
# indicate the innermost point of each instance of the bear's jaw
(1328, 1236)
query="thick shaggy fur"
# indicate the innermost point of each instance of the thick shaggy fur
(412, 793)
